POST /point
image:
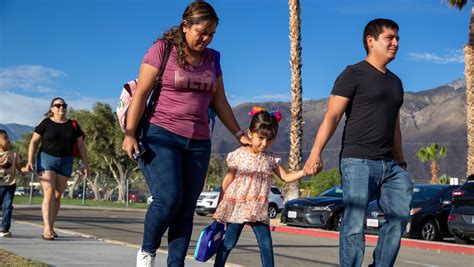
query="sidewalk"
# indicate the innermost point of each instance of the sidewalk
(73, 249)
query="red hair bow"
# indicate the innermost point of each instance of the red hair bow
(276, 114)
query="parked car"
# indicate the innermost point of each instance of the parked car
(207, 202)
(323, 211)
(430, 207)
(25, 191)
(135, 196)
(461, 218)
(21, 191)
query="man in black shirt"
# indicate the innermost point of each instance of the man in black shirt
(371, 159)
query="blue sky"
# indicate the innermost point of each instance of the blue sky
(84, 50)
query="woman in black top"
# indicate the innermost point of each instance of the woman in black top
(54, 160)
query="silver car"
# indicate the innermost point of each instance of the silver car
(207, 202)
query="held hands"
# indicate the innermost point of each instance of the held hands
(313, 166)
(28, 167)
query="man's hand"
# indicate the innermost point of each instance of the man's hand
(313, 166)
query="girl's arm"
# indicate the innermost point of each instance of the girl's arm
(228, 178)
(288, 177)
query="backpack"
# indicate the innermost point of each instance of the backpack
(75, 149)
(130, 87)
(129, 90)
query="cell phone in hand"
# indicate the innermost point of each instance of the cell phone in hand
(138, 154)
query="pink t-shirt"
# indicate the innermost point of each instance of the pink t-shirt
(186, 92)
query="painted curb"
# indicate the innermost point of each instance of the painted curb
(411, 243)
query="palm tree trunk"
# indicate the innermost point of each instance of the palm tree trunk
(296, 130)
(434, 172)
(469, 72)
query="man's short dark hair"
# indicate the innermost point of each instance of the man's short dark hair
(375, 27)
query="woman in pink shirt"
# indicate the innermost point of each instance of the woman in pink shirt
(177, 138)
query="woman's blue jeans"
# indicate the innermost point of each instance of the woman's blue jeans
(7, 192)
(232, 234)
(175, 168)
(363, 180)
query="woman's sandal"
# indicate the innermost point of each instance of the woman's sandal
(54, 235)
(47, 237)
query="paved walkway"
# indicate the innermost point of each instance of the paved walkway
(73, 249)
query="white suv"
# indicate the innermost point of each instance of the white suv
(207, 202)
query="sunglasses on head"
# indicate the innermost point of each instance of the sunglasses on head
(58, 106)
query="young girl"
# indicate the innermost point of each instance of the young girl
(246, 187)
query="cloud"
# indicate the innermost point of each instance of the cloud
(272, 97)
(21, 109)
(235, 100)
(451, 56)
(30, 78)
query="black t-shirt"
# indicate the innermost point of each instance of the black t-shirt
(371, 115)
(58, 138)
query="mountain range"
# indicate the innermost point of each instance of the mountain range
(432, 116)
(15, 131)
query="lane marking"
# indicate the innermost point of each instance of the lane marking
(419, 263)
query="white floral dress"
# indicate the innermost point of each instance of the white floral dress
(246, 198)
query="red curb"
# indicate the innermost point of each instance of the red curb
(463, 249)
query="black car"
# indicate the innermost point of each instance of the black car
(324, 211)
(461, 219)
(430, 207)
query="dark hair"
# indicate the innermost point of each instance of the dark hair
(49, 113)
(195, 13)
(4, 133)
(375, 27)
(264, 124)
(470, 177)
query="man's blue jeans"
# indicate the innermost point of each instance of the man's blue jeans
(7, 193)
(175, 168)
(232, 234)
(363, 180)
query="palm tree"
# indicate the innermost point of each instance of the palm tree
(469, 72)
(432, 153)
(296, 130)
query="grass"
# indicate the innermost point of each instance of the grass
(78, 202)
(9, 259)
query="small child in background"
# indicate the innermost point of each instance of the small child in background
(246, 186)
(9, 164)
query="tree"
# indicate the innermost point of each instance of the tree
(432, 153)
(322, 182)
(469, 72)
(296, 131)
(215, 172)
(104, 148)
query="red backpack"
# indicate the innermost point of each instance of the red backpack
(75, 150)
